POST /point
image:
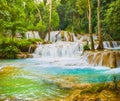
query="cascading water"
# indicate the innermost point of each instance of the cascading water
(32, 34)
(53, 72)
(59, 49)
(61, 35)
(111, 45)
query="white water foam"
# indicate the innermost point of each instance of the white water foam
(32, 34)
(1, 67)
(59, 49)
(113, 71)
(61, 35)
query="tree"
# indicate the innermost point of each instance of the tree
(82, 7)
(30, 11)
(50, 14)
(90, 25)
(112, 19)
(12, 16)
(100, 44)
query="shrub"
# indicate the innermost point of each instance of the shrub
(10, 47)
(9, 52)
(2, 55)
(7, 42)
(23, 45)
(33, 41)
(86, 47)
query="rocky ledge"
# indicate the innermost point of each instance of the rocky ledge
(104, 58)
(24, 55)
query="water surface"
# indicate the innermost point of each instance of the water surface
(48, 78)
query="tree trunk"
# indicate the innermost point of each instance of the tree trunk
(50, 14)
(100, 44)
(90, 25)
(39, 14)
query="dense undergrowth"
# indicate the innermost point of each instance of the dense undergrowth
(10, 47)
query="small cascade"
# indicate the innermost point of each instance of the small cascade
(32, 34)
(29, 50)
(59, 49)
(115, 43)
(112, 45)
(105, 58)
(106, 44)
(74, 37)
(61, 36)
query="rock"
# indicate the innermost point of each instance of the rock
(46, 42)
(29, 55)
(24, 55)
(20, 56)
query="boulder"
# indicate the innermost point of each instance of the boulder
(24, 55)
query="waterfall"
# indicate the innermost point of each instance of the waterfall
(106, 44)
(59, 49)
(29, 50)
(32, 34)
(112, 45)
(61, 36)
(74, 37)
(115, 43)
(53, 35)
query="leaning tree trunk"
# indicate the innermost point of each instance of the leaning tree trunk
(100, 44)
(90, 25)
(50, 14)
(39, 14)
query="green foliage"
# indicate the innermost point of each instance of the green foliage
(11, 51)
(34, 41)
(19, 16)
(112, 19)
(23, 45)
(86, 47)
(5, 42)
(41, 27)
(9, 48)
(55, 20)
(11, 16)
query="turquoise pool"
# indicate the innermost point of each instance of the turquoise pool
(46, 79)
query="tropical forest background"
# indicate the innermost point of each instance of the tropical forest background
(20, 16)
